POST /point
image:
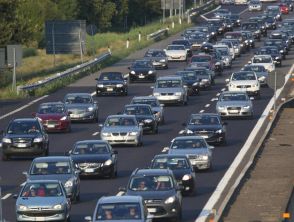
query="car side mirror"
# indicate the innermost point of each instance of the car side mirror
(25, 173)
(227, 80)
(34, 114)
(69, 152)
(114, 152)
(95, 102)
(211, 147)
(164, 50)
(88, 218)
(141, 124)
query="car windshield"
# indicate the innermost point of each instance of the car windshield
(50, 168)
(51, 108)
(243, 76)
(173, 163)
(188, 144)
(188, 75)
(254, 2)
(254, 68)
(176, 47)
(168, 83)
(197, 35)
(201, 59)
(151, 183)
(233, 97)
(223, 51)
(204, 120)
(137, 110)
(111, 76)
(181, 42)
(72, 99)
(155, 54)
(234, 16)
(41, 190)
(90, 148)
(249, 26)
(269, 19)
(233, 36)
(24, 127)
(119, 211)
(142, 64)
(120, 121)
(151, 102)
(262, 59)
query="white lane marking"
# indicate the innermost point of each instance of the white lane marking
(96, 133)
(243, 11)
(203, 16)
(23, 107)
(218, 94)
(6, 196)
(201, 111)
(218, 192)
(126, 75)
(120, 193)
(22, 184)
(93, 93)
(214, 99)
(207, 105)
(224, 89)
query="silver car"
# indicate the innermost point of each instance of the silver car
(122, 129)
(255, 5)
(171, 89)
(42, 200)
(234, 104)
(81, 107)
(176, 53)
(56, 168)
(158, 58)
(195, 147)
(260, 71)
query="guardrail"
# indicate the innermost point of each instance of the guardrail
(71, 71)
(157, 34)
(216, 204)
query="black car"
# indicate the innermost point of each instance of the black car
(270, 22)
(191, 80)
(144, 115)
(94, 158)
(273, 51)
(253, 27)
(160, 191)
(207, 125)
(184, 42)
(109, 83)
(24, 137)
(279, 44)
(261, 21)
(158, 57)
(204, 76)
(210, 32)
(249, 39)
(218, 65)
(229, 24)
(218, 23)
(277, 34)
(235, 18)
(142, 70)
(197, 39)
(181, 167)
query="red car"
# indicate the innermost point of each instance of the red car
(54, 117)
(284, 8)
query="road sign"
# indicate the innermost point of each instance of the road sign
(2, 58)
(14, 52)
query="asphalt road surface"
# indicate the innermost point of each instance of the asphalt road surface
(131, 158)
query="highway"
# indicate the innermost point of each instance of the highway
(133, 157)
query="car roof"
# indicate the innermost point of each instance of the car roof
(140, 105)
(52, 158)
(52, 103)
(29, 119)
(187, 137)
(155, 50)
(205, 114)
(77, 93)
(121, 115)
(175, 45)
(92, 141)
(141, 60)
(145, 97)
(169, 78)
(158, 172)
(171, 156)
(42, 181)
(232, 92)
(119, 199)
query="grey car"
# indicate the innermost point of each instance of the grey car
(171, 89)
(158, 58)
(56, 168)
(42, 200)
(120, 208)
(260, 71)
(122, 129)
(81, 106)
(234, 104)
(195, 147)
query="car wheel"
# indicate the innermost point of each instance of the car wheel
(5, 157)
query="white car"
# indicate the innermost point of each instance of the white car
(244, 81)
(255, 5)
(176, 53)
(264, 60)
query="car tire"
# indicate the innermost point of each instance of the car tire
(5, 157)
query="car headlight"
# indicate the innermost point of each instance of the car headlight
(261, 78)
(178, 93)
(22, 207)
(238, 20)
(204, 80)
(250, 40)
(277, 58)
(262, 27)
(207, 36)
(241, 45)
(150, 72)
(246, 41)
(57, 207)
(282, 51)
(232, 85)
(106, 134)
(148, 121)
(134, 133)
(195, 83)
(257, 32)
(119, 85)
(246, 107)
(162, 60)
(187, 177)
(189, 131)
(156, 94)
(6, 140)
(170, 200)
(108, 162)
(205, 157)
(219, 131)
(68, 183)
(133, 72)
(38, 139)
(63, 118)
(100, 85)
(221, 107)
(213, 33)
(90, 109)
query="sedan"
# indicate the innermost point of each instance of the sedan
(158, 57)
(284, 8)
(191, 80)
(176, 53)
(142, 70)
(260, 71)
(234, 104)
(264, 60)
(94, 158)
(255, 5)
(111, 83)
(54, 117)
(58, 168)
(42, 200)
(81, 106)
(273, 52)
(121, 130)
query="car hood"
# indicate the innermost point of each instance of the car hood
(61, 177)
(110, 82)
(198, 151)
(203, 127)
(25, 136)
(180, 173)
(156, 109)
(141, 69)
(244, 82)
(259, 74)
(175, 52)
(201, 64)
(88, 158)
(40, 201)
(156, 58)
(152, 194)
(133, 220)
(53, 116)
(119, 129)
(233, 103)
(167, 90)
(143, 117)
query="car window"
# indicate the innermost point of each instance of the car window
(151, 183)
(110, 76)
(260, 59)
(151, 102)
(188, 75)
(168, 83)
(173, 163)
(51, 108)
(233, 97)
(243, 76)
(142, 64)
(120, 121)
(41, 190)
(119, 211)
(24, 127)
(137, 110)
(201, 59)
(176, 47)
(90, 148)
(204, 120)
(188, 144)
(50, 168)
(71, 99)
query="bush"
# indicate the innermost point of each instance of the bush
(29, 52)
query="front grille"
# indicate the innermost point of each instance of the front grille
(22, 140)
(167, 94)
(195, 157)
(78, 111)
(119, 134)
(204, 133)
(234, 108)
(244, 86)
(89, 165)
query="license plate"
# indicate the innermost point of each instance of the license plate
(141, 77)
(22, 145)
(74, 115)
(50, 125)
(41, 218)
(151, 210)
(234, 111)
(89, 170)
(109, 89)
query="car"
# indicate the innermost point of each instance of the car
(225, 55)
(191, 80)
(204, 75)
(253, 27)
(273, 51)
(209, 31)
(160, 191)
(203, 59)
(142, 70)
(254, 5)
(218, 23)
(197, 39)
(289, 3)
(265, 60)
(111, 83)
(59, 168)
(176, 53)
(208, 125)
(284, 8)
(249, 39)
(270, 22)
(24, 137)
(144, 116)
(234, 104)
(262, 24)
(42, 200)
(221, 13)
(282, 47)
(54, 117)
(274, 10)
(218, 61)
(244, 81)
(171, 89)
(122, 130)
(286, 39)
(235, 18)
(184, 42)
(195, 147)
(236, 35)
(230, 45)
(94, 158)
(120, 208)
(82, 107)
(260, 71)
(181, 168)
(156, 107)
(236, 45)
(229, 24)
(158, 57)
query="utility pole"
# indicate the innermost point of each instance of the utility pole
(14, 71)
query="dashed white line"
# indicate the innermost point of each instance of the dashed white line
(224, 89)
(218, 94)
(214, 99)
(93, 93)
(207, 105)
(243, 11)
(6, 196)
(120, 193)
(22, 184)
(95, 134)
(201, 111)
